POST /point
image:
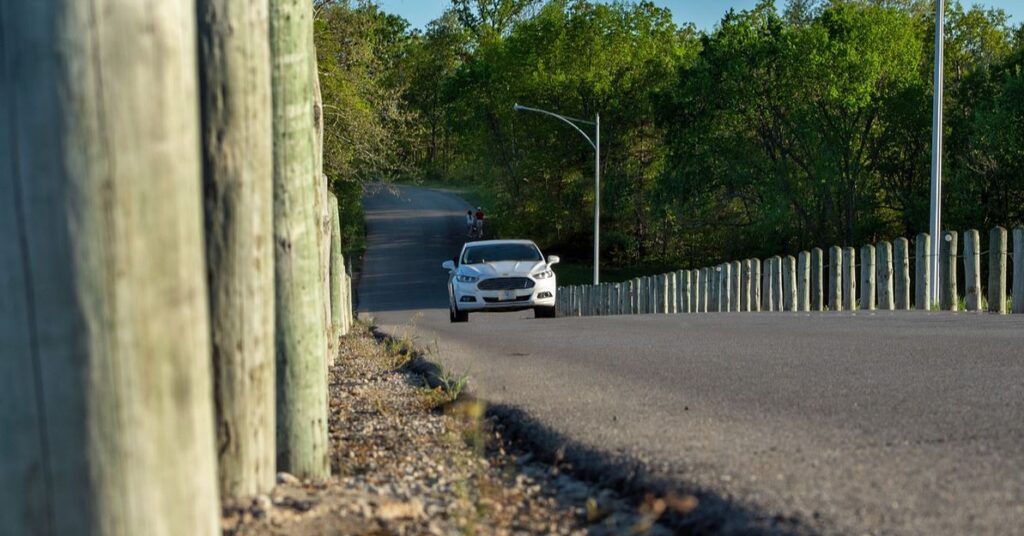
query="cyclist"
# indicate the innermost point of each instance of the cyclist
(479, 222)
(470, 222)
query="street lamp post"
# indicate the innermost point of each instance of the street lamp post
(935, 219)
(596, 144)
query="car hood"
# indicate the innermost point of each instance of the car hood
(502, 268)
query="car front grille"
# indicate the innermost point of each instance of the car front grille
(506, 283)
(517, 299)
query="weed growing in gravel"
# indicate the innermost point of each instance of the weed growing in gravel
(448, 390)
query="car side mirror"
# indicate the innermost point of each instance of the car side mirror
(448, 265)
(553, 259)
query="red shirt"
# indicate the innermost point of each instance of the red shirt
(479, 214)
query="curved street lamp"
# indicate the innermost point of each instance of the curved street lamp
(596, 144)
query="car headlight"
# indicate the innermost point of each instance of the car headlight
(544, 275)
(467, 278)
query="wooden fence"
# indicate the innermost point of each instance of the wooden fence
(878, 279)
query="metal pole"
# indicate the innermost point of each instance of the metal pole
(936, 197)
(597, 200)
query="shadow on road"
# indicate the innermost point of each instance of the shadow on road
(714, 514)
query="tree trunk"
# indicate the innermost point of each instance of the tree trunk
(105, 380)
(301, 340)
(234, 38)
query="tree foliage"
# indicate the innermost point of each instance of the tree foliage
(782, 128)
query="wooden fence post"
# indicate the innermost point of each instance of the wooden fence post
(672, 296)
(724, 287)
(767, 300)
(789, 294)
(923, 273)
(997, 271)
(803, 281)
(713, 281)
(867, 278)
(901, 273)
(972, 271)
(817, 279)
(883, 279)
(685, 291)
(302, 446)
(835, 278)
(755, 285)
(702, 290)
(106, 389)
(1018, 270)
(337, 271)
(948, 296)
(777, 286)
(849, 279)
(234, 67)
(736, 288)
(745, 296)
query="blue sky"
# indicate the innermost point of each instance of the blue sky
(705, 13)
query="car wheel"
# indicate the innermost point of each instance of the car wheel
(455, 315)
(544, 312)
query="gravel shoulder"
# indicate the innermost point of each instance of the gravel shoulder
(413, 454)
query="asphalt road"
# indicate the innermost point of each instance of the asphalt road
(888, 423)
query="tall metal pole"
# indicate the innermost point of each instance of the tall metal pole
(594, 142)
(936, 197)
(597, 201)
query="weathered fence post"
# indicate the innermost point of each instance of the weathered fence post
(724, 287)
(972, 271)
(803, 281)
(683, 278)
(817, 280)
(713, 282)
(767, 300)
(734, 286)
(755, 284)
(702, 290)
(234, 67)
(849, 279)
(301, 339)
(664, 294)
(777, 290)
(652, 297)
(835, 278)
(106, 389)
(337, 272)
(1018, 270)
(673, 293)
(634, 296)
(617, 291)
(997, 271)
(745, 285)
(901, 273)
(867, 278)
(883, 280)
(948, 296)
(789, 294)
(922, 273)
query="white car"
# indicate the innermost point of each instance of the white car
(500, 275)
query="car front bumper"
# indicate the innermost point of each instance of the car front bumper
(469, 298)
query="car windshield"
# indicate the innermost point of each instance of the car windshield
(500, 252)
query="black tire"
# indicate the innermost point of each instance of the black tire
(457, 316)
(544, 312)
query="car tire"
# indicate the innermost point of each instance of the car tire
(544, 312)
(457, 316)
